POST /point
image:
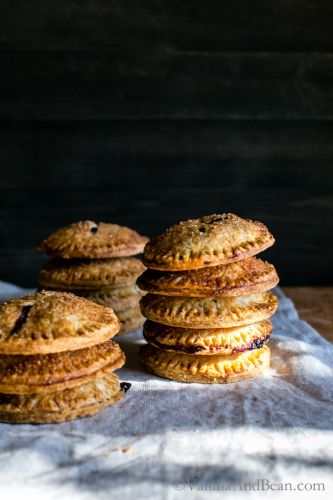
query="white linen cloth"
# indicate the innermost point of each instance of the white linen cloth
(169, 440)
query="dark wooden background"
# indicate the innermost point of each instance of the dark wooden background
(148, 112)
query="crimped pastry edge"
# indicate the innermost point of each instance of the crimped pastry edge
(184, 375)
(236, 316)
(208, 341)
(57, 418)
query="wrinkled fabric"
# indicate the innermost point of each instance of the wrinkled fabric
(169, 440)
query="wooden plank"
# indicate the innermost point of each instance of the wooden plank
(301, 25)
(168, 153)
(314, 305)
(152, 174)
(105, 85)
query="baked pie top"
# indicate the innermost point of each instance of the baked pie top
(53, 321)
(210, 312)
(87, 239)
(51, 372)
(117, 272)
(208, 241)
(244, 277)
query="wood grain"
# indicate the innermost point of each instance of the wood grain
(153, 175)
(115, 84)
(147, 25)
(314, 305)
(145, 113)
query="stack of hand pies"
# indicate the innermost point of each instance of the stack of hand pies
(57, 358)
(96, 261)
(208, 304)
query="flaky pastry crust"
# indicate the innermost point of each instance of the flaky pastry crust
(244, 277)
(45, 322)
(87, 274)
(188, 312)
(53, 372)
(208, 241)
(87, 239)
(207, 341)
(216, 369)
(80, 401)
(119, 299)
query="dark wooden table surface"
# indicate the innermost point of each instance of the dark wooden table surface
(314, 305)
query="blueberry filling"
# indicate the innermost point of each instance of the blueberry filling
(125, 386)
(21, 319)
(93, 229)
(258, 343)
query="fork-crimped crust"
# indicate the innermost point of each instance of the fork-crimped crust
(88, 239)
(80, 401)
(208, 241)
(53, 372)
(207, 341)
(47, 321)
(216, 369)
(209, 312)
(87, 274)
(244, 277)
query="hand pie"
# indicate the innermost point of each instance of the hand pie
(87, 239)
(207, 341)
(244, 277)
(186, 312)
(204, 242)
(205, 369)
(45, 322)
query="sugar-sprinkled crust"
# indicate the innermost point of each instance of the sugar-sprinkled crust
(208, 312)
(42, 373)
(88, 239)
(47, 321)
(77, 274)
(244, 277)
(207, 341)
(80, 401)
(208, 241)
(216, 369)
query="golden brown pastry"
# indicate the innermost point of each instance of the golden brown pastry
(244, 277)
(208, 241)
(87, 239)
(45, 322)
(119, 299)
(131, 320)
(59, 274)
(187, 312)
(216, 369)
(207, 341)
(42, 373)
(80, 401)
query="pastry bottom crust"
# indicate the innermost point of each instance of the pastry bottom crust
(216, 369)
(80, 401)
(56, 418)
